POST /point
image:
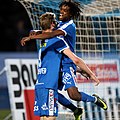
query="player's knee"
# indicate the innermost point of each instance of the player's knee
(74, 94)
(75, 97)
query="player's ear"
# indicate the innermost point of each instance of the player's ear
(53, 25)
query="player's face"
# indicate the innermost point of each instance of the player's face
(64, 13)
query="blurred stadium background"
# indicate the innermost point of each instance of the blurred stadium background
(98, 43)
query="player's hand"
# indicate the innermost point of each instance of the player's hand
(95, 79)
(91, 77)
(24, 39)
(83, 73)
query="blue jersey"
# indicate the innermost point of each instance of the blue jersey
(68, 68)
(49, 62)
(69, 29)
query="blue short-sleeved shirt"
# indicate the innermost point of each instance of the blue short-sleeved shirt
(49, 62)
(68, 80)
(69, 29)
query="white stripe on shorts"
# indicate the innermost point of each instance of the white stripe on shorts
(51, 102)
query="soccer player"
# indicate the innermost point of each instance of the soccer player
(68, 11)
(46, 87)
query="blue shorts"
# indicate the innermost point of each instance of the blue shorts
(67, 79)
(46, 102)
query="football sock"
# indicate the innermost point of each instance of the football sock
(87, 98)
(65, 102)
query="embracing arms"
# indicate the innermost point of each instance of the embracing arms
(41, 36)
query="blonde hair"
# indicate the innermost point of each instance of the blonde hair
(46, 20)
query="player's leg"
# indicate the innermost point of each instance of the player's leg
(74, 94)
(65, 102)
(68, 79)
(81, 96)
(46, 103)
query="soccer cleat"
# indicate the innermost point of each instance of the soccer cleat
(78, 113)
(100, 102)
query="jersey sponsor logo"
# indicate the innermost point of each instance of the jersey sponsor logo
(44, 107)
(51, 102)
(43, 43)
(42, 70)
(66, 78)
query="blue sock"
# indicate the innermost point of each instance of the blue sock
(87, 98)
(65, 102)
